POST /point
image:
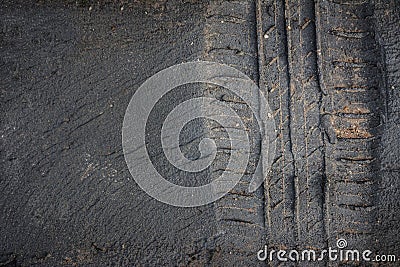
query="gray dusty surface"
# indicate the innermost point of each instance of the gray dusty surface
(67, 77)
(69, 69)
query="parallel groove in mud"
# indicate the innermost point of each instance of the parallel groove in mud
(279, 186)
(305, 103)
(292, 78)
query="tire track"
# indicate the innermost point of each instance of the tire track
(350, 78)
(231, 38)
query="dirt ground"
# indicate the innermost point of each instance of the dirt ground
(330, 71)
